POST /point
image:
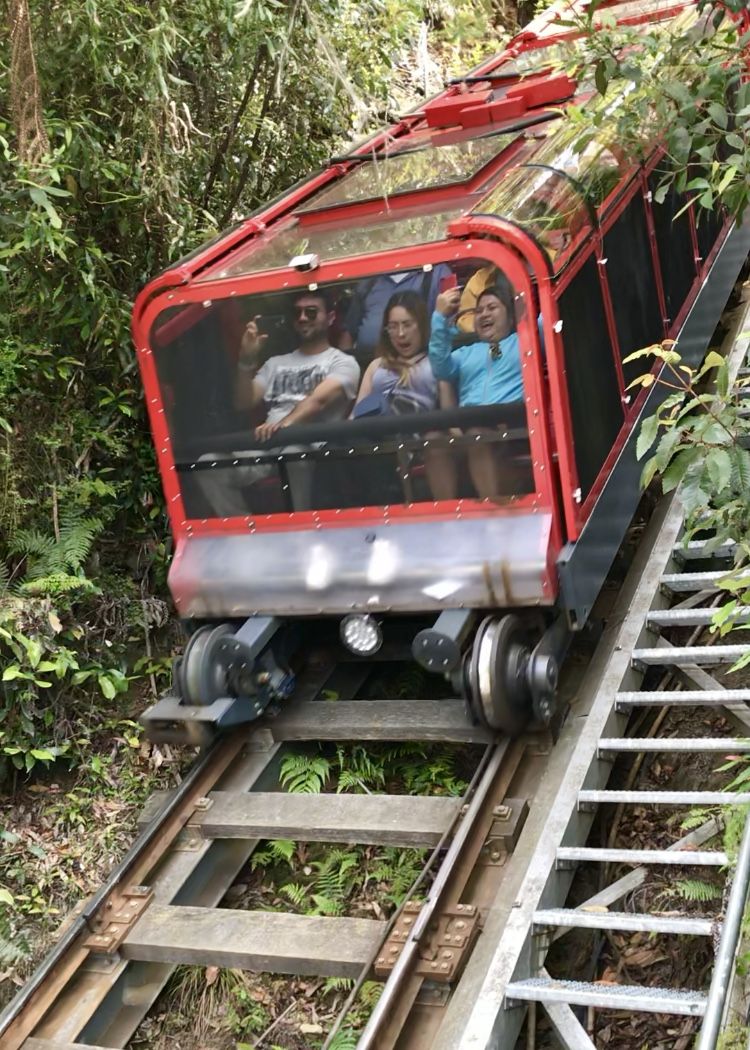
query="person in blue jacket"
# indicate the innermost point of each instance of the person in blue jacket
(486, 372)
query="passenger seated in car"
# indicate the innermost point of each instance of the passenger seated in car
(315, 382)
(400, 380)
(486, 372)
(365, 313)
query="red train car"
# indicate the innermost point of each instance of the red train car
(456, 470)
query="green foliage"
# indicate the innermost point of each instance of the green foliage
(683, 83)
(700, 441)
(697, 890)
(734, 1037)
(218, 106)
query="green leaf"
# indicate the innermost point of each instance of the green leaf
(648, 472)
(718, 114)
(600, 77)
(676, 470)
(647, 436)
(719, 466)
(12, 672)
(38, 196)
(6, 897)
(107, 687)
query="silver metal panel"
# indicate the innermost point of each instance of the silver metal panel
(691, 617)
(610, 996)
(484, 1024)
(667, 798)
(695, 549)
(680, 582)
(500, 560)
(675, 743)
(629, 922)
(685, 698)
(673, 857)
(690, 654)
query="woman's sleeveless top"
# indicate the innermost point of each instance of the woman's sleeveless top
(418, 394)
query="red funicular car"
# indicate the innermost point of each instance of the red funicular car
(474, 512)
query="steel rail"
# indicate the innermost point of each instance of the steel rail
(200, 777)
(406, 958)
(428, 866)
(725, 956)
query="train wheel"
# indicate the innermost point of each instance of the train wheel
(499, 694)
(202, 678)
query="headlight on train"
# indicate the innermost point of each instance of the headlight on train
(361, 634)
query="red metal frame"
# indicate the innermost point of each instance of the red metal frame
(229, 288)
(194, 281)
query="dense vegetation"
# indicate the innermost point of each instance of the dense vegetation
(129, 135)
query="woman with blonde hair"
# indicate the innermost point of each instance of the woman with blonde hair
(400, 380)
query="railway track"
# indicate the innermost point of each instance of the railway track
(460, 968)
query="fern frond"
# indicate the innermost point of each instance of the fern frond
(282, 849)
(697, 890)
(56, 583)
(695, 818)
(303, 774)
(326, 905)
(76, 539)
(295, 893)
(337, 984)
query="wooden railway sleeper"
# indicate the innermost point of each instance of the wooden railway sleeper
(444, 948)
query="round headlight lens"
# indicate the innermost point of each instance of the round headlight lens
(361, 634)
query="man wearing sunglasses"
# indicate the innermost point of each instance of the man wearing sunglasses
(314, 382)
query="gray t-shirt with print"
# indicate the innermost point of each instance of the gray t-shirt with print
(290, 378)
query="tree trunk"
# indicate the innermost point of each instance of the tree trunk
(25, 92)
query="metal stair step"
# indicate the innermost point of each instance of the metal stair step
(688, 655)
(694, 550)
(383, 820)
(683, 698)
(673, 857)
(675, 743)
(254, 940)
(689, 617)
(680, 582)
(633, 997)
(666, 798)
(629, 922)
(443, 720)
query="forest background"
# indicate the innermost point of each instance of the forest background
(129, 134)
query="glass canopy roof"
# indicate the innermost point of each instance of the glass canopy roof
(385, 175)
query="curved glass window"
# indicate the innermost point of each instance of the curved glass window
(572, 175)
(544, 202)
(384, 175)
(386, 229)
(355, 393)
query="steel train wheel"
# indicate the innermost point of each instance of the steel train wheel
(499, 694)
(203, 678)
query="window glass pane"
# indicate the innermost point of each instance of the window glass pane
(593, 388)
(434, 410)
(632, 285)
(675, 245)
(542, 201)
(341, 239)
(424, 169)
